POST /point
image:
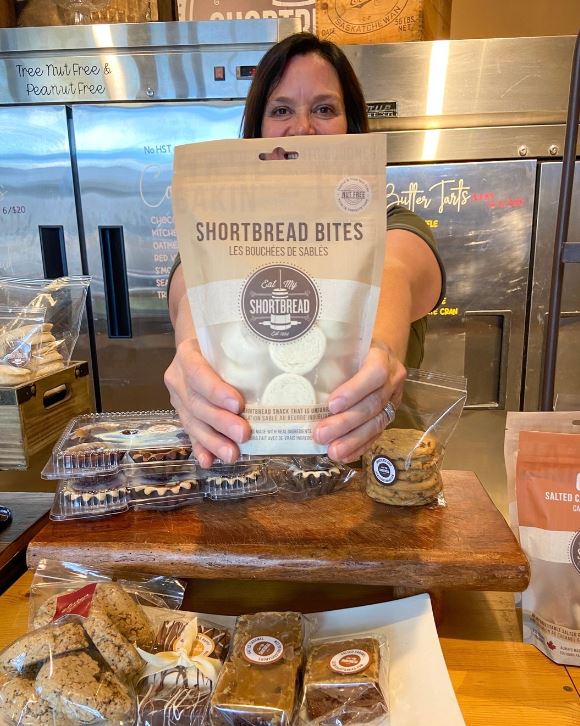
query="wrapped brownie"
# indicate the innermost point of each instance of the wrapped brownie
(182, 670)
(258, 683)
(345, 682)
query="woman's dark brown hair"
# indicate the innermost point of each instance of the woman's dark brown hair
(272, 67)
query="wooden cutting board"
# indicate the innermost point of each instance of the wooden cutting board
(345, 537)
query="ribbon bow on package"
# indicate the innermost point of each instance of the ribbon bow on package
(190, 650)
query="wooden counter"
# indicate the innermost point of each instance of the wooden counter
(29, 515)
(498, 680)
(342, 538)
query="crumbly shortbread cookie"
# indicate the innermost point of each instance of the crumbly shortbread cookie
(10, 376)
(40, 350)
(40, 339)
(39, 645)
(299, 356)
(45, 370)
(50, 356)
(119, 653)
(77, 688)
(289, 389)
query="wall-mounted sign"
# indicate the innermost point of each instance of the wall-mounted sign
(303, 10)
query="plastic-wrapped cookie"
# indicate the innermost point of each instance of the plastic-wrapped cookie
(299, 356)
(402, 467)
(79, 688)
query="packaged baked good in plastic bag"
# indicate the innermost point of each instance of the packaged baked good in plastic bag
(544, 476)
(22, 331)
(305, 477)
(182, 668)
(64, 301)
(55, 675)
(59, 587)
(346, 681)
(403, 465)
(259, 680)
(283, 296)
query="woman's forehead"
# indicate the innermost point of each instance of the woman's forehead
(309, 69)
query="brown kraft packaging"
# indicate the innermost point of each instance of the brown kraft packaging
(283, 259)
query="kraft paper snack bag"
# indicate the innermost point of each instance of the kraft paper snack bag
(283, 261)
(548, 504)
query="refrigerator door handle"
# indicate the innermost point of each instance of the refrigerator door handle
(53, 249)
(486, 357)
(115, 282)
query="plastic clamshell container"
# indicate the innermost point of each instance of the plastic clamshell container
(100, 496)
(248, 477)
(111, 442)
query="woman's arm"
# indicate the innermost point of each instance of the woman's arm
(410, 288)
(207, 406)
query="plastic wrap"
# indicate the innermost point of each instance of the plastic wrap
(346, 682)
(248, 477)
(258, 683)
(55, 675)
(64, 302)
(305, 477)
(182, 668)
(98, 496)
(53, 579)
(403, 465)
(22, 334)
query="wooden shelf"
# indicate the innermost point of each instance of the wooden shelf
(342, 538)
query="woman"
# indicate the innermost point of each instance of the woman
(306, 86)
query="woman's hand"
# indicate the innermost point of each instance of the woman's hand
(356, 407)
(206, 405)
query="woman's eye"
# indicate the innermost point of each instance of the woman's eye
(279, 111)
(325, 110)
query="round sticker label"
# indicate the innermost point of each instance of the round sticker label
(575, 551)
(350, 661)
(384, 471)
(353, 194)
(280, 303)
(203, 645)
(263, 650)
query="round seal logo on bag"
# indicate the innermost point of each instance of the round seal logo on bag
(384, 471)
(203, 645)
(353, 194)
(280, 303)
(263, 650)
(575, 551)
(354, 660)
